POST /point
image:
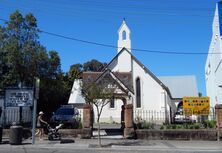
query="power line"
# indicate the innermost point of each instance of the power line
(135, 49)
(79, 40)
(113, 46)
(111, 10)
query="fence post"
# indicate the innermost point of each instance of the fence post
(129, 129)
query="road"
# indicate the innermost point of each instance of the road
(23, 149)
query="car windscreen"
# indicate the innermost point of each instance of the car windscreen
(65, 112)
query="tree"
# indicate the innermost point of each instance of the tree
(20, 50)
(23, 58)
(3, 65)
(75, 72)
(94, 66)
(99, 94)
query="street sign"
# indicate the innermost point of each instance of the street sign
(18, 97)
(196, 105)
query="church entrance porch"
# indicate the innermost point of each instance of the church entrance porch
(109, 94)
(124, 129)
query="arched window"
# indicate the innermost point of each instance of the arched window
(124, 35)
(138, 93)
(112, 103)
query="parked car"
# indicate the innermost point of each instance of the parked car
(66, 115)
(180, 118)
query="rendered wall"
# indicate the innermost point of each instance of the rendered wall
(213, 67)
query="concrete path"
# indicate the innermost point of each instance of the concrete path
(114, 145)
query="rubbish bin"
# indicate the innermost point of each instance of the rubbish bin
(0, 134)
(15, 135)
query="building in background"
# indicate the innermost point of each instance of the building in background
(213, 67)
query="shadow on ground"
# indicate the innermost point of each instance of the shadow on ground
(123, 143)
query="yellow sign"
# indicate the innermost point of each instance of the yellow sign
(196, 105)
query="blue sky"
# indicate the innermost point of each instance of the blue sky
(165, 25)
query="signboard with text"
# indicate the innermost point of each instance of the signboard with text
(196, 105)
(18, 97)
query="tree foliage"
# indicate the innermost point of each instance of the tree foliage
(76, 70)
(93, 65)
(23, 58)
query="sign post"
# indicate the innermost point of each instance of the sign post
(37, 83)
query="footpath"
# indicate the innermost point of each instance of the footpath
(117, 144)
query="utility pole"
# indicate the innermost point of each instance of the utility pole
(36, 97)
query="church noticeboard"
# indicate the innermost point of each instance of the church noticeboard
(18, 97)
(196, 105)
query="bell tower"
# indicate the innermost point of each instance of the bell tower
(124, 61)
(124, 37)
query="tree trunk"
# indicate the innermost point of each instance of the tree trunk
(99, 139)
(98, 116)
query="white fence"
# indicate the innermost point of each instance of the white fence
(12, 114)
(151, 116)
(159, 117)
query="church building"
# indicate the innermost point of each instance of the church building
(153, 98)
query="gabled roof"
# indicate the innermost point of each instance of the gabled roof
(144, 68)
(123, 79)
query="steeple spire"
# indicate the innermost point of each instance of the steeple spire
(124, 36)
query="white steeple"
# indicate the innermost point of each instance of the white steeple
(124, 37)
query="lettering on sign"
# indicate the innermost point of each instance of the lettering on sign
(196, 105)
(19, 97)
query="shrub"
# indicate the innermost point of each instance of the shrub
(196, 126)
(174, 126)
(191, 126)
(138, 122)
(212, 124)
(185, 126)
(80, 125)
(179, 127)
(162, 127)
(147, 125)
(209, 124)
(138, 125)
(168, 126)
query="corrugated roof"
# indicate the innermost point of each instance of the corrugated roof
(181, 86)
